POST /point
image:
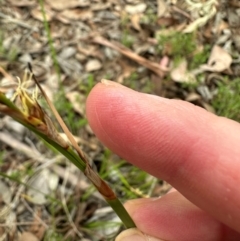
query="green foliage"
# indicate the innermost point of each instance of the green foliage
(135, 183)
(2, 155)
(183, 45)
(108, 76)
(227, 101)
(88, 84)
(127, 39)
(94, 228)
(149, 17)
(65, 108)
(191, 86)
(51, 235)
(132, 81)
(20, 174)
(8, 54)
(200, 57)
(136, 82)
(133, 77)
(177, 44)
(50, 40)
(100, 224)
(126, 179)
(148, 87)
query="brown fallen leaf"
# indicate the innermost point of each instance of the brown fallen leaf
(156, 68)
(101, 5)
(162, 8)
(76, 14)
(135, 19)
(134, 9)
(37, 13)
(90, 50)
(92, 65)
(22, 3)
(181, 73)
(78, 101)
(192, 97)
(6, 75)
(38, 228)
(27, 236)
(208, 107)
(7, 83)
(219, 60)
(63, 4)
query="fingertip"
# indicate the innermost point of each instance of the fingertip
(99, 96)
(193, 150)
(167, 218)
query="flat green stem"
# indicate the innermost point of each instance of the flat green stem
(70, 154)
(120, 210)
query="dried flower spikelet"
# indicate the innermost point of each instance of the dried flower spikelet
(33, 112)
(28, 104)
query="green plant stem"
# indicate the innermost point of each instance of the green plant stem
(50, 40)
(71, 155)
(122, 213)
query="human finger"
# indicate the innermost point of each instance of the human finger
(174, 218)
(195, 151)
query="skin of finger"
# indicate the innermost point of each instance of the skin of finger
(193, 150)
(173, 217)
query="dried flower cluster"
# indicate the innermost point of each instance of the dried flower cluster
(28, 112)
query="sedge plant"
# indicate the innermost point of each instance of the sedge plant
(29, 113)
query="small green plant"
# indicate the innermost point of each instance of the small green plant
(2, 155)
(132, 81)
(87, 84)
(108, 76)
(177, 44)
(50, 40)
(127, 39)
(148, 86)
(66, 110)
(18, 175)
(51, 235)
(149, 17)
(183, 46)
(94, 228)
(227, 101)
(200, 57)
(191, 86)
(126, 179)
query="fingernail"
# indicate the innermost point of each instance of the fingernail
(134, 234)
(110, 83)
(140, 201)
